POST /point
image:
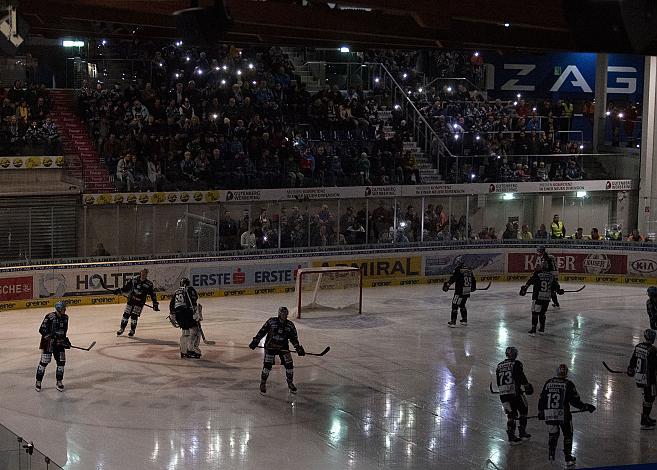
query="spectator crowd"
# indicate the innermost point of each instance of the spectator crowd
(25, 125)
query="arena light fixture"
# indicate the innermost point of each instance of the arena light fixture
(239, 72)
(608, 113)
(69, 43)
(581, 194)
(507, 25)
(508, 196)
(344, 49)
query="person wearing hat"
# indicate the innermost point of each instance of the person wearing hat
(651, 306)
(54, 341)
(643, 367)
(557, 228)
(557, 396)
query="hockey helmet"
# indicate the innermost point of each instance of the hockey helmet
(652, 291)
(650, 335)
(511, 352)
(283, 311)
(562, 371)
(60, 306)
(184, 282)
(540, 249)
(459, 261)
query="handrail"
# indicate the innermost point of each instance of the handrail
(426, 123)
(551, 244)
(454, 78)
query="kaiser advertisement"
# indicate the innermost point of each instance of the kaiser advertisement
(590, 263)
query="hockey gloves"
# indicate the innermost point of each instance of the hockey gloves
(561, 292)
(254, 343)
(156, 306)
(66, 343)
(630, 371)
(300, 351)
(445, 287)
(529, 389)
(523, 290)
(588, 407)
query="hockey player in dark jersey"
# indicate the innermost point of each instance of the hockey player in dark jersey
(544, 283)
(643, 367)
(279, 330)
(557, 396)
(551, 262)
(465, 284)
(187, 311)
(53, 343)
(138, 289)
(651, 306)
(511, 381)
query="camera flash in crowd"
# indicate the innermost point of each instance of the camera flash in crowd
(187, 59)
(376, 80)
(223, 82)
(449, 89)
(405, 75)
(239, 72)
(251, 66)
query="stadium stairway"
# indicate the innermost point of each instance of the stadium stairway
(76, 141)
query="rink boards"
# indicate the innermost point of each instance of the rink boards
(78, 283)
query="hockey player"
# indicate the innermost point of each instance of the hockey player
(544, 284)
(651, 306)
(465, 285)
(554, 407)
(545, 258)
(510, 381)
(184, 305)
(643, 367)
(138, 289)
(53, 342)
(279, 330)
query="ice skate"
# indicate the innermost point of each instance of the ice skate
(263, 387)
(60, 386)
(451, 324)
(525, 435)
(37, 386)
(514, 441)
(131, 333)
(532, 332)
(119, 332)
(292, 387)
(464, 322)
(571, 461)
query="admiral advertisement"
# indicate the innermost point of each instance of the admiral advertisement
(589, 263)
(405, 270)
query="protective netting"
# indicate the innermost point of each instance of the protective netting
(328, 291)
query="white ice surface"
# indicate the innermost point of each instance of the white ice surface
(398, 390)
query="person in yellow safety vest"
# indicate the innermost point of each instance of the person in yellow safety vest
(557, 228)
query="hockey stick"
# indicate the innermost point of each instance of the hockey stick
(612, 370)
(205, 341)
(483, 288)
(536, 416)
(493, 391)
(565, 291)
(84, 349)
(100, 281)
(278, 351)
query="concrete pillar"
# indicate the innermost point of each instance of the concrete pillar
(599, 117)
(647, 204)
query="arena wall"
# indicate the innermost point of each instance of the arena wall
(77, 283)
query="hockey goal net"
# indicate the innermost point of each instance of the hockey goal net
(328, 290)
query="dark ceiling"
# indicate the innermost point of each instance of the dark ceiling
(536, 25)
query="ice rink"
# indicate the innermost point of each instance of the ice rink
(398, 390)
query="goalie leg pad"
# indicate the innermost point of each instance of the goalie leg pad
(183, 341)
(194, 339)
